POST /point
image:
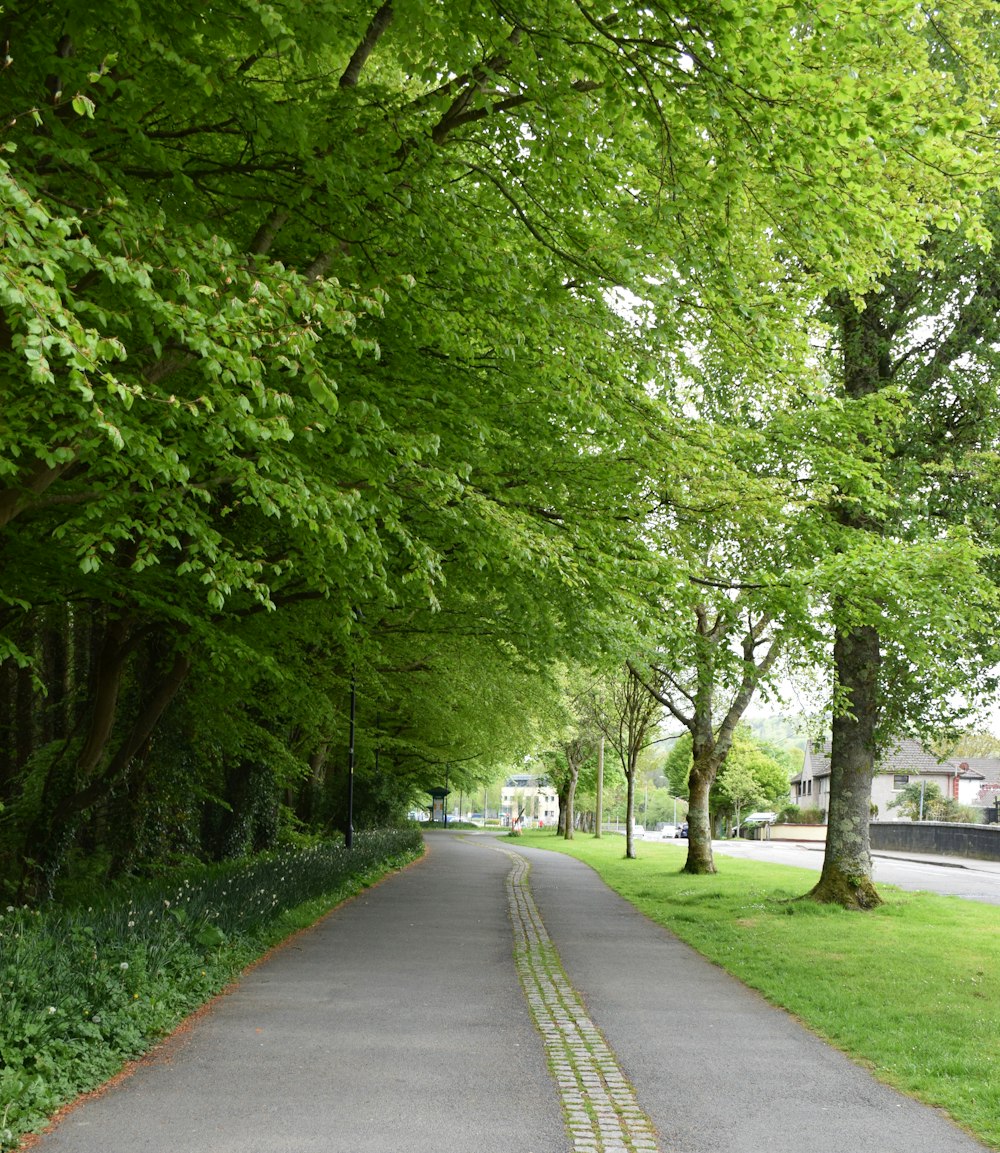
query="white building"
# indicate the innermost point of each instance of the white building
(529, 799)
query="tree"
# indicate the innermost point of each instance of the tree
(924, 801)
(967, 744)
(627, 716)
(739, 789)
(706, 680)
(748, 776)
(574, 748)
(311, 304)
(911, 632)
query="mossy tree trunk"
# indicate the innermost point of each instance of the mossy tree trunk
(699, 856)
(846, 878)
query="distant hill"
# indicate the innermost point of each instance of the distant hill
(787, 733)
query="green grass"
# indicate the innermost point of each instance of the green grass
(85, 988)
(910, 990)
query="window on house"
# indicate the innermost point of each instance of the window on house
(900, 780)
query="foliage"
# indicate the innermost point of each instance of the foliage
(969, 744)
(924, 801)
(750, 776)
(792, 814)
(662, 807)
(85, 988)
(313, 389)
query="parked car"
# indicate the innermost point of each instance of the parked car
(682, 830)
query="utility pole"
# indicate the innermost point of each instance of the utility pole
(600, 787)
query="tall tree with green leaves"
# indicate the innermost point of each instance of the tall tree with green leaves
(311, 304)
(911, 580)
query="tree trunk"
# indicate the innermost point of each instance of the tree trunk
(846, 878)
(71, 790)
(630, 815)
(115, 651)
(699, 856)
(570, 801)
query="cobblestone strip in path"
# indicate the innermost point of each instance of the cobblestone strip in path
(602, 1113)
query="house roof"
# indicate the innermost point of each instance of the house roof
(984, 768)
(908, 756)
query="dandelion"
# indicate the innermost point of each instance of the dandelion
(123, 965)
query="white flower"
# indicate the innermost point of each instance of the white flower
(123, 965)
(52, 1008)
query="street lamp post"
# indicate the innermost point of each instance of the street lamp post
(349, 834)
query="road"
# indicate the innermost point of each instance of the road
(971, 879)
(499, 999)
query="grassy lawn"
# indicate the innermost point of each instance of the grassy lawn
(911, 990)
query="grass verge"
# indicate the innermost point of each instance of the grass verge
(83, 990)
(909, 990)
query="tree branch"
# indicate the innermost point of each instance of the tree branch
(262, 241)
(668, 704)
(33, 482)
(380, 22)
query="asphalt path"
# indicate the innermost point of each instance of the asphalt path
(950, 876)
(397, 1025)
(400, 1025)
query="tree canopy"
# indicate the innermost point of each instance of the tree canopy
(354, 345)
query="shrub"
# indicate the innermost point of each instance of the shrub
(793, 815)
(84, 989)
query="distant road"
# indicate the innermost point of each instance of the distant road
(973, 880)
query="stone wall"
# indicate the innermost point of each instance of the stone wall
(952, 840)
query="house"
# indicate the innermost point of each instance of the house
(906, 764)
(531, 798)
(980, 781)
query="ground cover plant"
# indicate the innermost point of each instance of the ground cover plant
(908, 989)
(85, 988)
